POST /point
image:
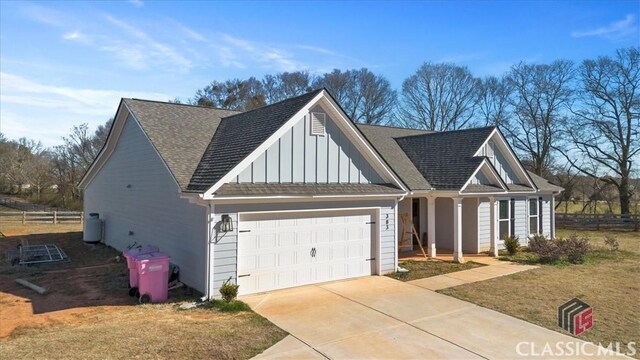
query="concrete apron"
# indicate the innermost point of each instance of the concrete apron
(379, 317)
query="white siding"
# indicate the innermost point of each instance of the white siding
(225, 248)
(484, 225)
(546, 215)
(502, 166)
(135, 192)
(300, 157)
(470, 225)
(444, 223)
(521, 220)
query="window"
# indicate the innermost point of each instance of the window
(504, 221)
(534, 216)
(318, 120)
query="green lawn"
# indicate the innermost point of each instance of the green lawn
(427, 268)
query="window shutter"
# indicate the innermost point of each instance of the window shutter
(513, 217)
(540, 206)
(318, 121)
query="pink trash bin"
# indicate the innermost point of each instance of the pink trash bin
(131, 264)
(153, 277)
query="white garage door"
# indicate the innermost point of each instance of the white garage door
(280, 250)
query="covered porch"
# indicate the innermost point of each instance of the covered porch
(450, 227)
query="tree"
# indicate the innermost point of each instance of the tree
(233, 94)
(366, 98)
(606, 120)
(493, 101)
(439, 97)
(286, 85)
(540, 95)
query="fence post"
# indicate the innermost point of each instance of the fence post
(55, 217)
(24, 217)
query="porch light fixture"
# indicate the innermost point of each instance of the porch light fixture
(227, 224)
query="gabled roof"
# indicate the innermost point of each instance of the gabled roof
(543, 184)
(383, 140)
(180, 133)
(446, 159)
(239, 135)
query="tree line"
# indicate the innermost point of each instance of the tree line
(563, 119)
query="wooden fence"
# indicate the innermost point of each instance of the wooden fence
(42, 217)
(597, 222)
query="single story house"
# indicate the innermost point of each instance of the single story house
(295, 193)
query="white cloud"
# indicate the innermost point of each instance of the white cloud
(77, 36)
(44, 15)
(617, 30)
(136, 3)
(28, 104)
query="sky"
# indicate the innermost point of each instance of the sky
(68, 63)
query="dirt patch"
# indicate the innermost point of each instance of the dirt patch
(88, 313)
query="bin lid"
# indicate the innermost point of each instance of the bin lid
(154, 256)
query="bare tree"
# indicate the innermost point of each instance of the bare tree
(233, 94)
(367, 98)
(493, 101)
(285, 85)
(540, 95)
(439, 97)
(606, 121)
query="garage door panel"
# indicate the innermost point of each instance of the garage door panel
(277, 251)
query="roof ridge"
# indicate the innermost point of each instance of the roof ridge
(190, 105)
(395, 127)
(449, 132)
(276, 103)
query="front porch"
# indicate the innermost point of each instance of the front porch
(452, 227)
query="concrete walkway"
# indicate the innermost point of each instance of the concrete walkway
(494, 268)
(382, 318)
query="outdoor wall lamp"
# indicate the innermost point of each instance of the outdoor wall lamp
(227, 224)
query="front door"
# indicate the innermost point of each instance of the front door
(415, 213)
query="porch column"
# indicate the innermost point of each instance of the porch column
(431, 226)
(457, 230)
(493, 228)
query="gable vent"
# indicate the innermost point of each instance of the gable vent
(318, 121)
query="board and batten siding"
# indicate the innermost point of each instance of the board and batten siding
(225, 249)
(300, 157)
(521, 219)
(484, 225)
(138, 199)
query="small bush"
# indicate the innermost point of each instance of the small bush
(512, 244)
(230, 306)
(611, 242)
(575, 248)
(547, 250)
(229, 291)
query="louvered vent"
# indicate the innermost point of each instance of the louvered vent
(318, 123)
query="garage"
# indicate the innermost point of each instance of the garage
(283, 249)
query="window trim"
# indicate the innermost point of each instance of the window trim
(536, 216)
(508, 219)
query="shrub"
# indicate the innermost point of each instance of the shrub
(231, 306)
(574, 248)
(611, 242)
(229, 291)
(547, 250)
(512, 244)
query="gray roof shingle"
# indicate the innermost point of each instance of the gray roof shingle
(239, 135)
(446, 159)
(180, 133)
(232, 189)
(383, 140)
(543, 184)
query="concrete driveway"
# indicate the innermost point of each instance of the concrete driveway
(378, 317)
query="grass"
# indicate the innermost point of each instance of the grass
(147, 331)
(233, 306)
(607, 280)
(5, 208)
(429, 268)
